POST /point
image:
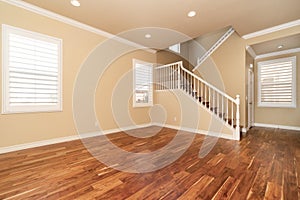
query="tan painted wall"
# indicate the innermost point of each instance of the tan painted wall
(181, 110)
(77, 44)
(167, 57)
(230, 60)
(226, 70)
(30, 127)
(279, 116)
(249, 60)
(120, 70)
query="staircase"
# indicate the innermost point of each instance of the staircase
(226, 109)
(214, 47)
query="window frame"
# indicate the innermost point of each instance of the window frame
(136, 104)
(8, 109)
(293, 104)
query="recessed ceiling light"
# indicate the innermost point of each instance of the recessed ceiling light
(75, 3)
(148, 36)
(280, 47)
(192, 14)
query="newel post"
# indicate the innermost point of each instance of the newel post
(178, 74)
(237, 128)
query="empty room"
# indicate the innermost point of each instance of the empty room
(181, 99)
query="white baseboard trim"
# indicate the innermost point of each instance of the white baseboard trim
(202, 132)
(37, 144)
(105, 132)
(244, 130)
(67, 139)
(294, 128)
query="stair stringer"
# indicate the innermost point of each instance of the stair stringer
(209, 123)
(214, 116)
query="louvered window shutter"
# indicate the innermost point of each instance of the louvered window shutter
(32, 71)
(143, 90)
(277, 83)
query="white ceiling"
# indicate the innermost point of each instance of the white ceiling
(290, 42)
(117, 16)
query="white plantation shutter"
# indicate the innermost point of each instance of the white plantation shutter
(143, 89)
(32, 71)
(277, 83)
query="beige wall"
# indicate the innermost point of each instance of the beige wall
(226, 70)
(31, 127)
(279, 116)
(230, 60)
(118, 80)
(181, 110)
(167, 57)
(77, 44)
(249, 60)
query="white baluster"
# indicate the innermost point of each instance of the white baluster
(159, 81)
(232, 114)
(202, 91)
(178, 76)
(205, 93)
(198, 90)
(174, 75)
(218, 103)
(209, 97)
(194, 88)
(171, 76)
(213, 101)
(167, 78)
(163, 78)
(227, 114)
(222, 107)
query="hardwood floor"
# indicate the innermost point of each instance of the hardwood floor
(264, 165)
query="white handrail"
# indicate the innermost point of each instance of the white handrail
(168, 65)
(175, 76)
(214, 47)
(208, 84)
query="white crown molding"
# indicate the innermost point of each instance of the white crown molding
(278, 53)
(294, 128)
(77, 24)
(251, 51)
(67, 139)
(272, 29)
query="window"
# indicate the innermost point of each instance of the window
(175, 48)
(31, 71)
(143, 92)
(277, 83)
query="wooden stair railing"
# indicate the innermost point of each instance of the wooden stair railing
(175, 76)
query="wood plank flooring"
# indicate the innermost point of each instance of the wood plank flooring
(264, 165)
